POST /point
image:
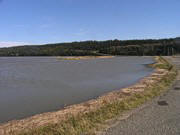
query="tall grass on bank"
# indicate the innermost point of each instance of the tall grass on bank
(89, 122)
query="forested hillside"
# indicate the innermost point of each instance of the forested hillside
(110, 47)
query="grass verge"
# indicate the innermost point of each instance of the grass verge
(87, 123)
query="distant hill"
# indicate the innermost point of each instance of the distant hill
(149, 47)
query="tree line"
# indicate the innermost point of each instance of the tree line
(148, 47)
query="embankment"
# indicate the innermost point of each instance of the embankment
(90, 116)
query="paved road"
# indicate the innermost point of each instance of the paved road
(160, 117)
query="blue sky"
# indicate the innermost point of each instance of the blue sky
(49, 21)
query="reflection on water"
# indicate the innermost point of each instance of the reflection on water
(31, 85)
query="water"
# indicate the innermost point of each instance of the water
(32, 85)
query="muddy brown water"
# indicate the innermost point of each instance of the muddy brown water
(33, 85)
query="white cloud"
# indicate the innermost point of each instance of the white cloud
(10, 44)
(20, 25)
(81, 32)
(45, 25)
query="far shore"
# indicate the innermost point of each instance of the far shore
(83, 57)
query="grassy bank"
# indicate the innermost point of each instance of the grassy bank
(129, 98)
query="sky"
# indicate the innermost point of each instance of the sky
(49, 21)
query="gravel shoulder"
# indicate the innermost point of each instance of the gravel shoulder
(158, 117)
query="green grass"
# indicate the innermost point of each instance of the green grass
(92, 121)
(163, 64)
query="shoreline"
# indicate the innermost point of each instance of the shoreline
(94, 105)
(83, 57)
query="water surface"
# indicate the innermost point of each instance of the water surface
(32, 85)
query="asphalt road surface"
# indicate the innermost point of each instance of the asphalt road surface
(159, 117)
